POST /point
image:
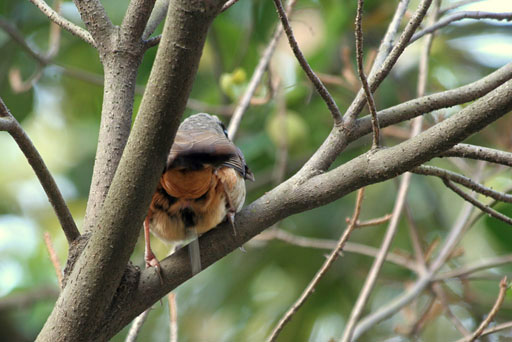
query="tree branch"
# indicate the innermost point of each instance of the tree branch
(496, 307)
(245, 100)
(96, 21)
(319, 86)
(459, 16)
(479, 153)
(362, 76)
(292, 197)
(325, 267)
(478, 204)
(12, 126)
(143, 160)
(467, 182)
(64, 23)
(426, 104)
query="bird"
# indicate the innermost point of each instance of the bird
(203, 183)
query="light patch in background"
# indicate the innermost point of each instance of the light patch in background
(18, 241)
(327, 327)
(17, 236)
(10, 275)
(492, 50)
(31, 196)
(498, 6)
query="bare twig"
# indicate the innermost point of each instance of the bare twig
(137, 324)
(53, 257)
(466, 270)
(441, 295)
(330, 260)
(245, 100)
(478, 204)
(375, 79)
(369, 283)
(173, 317)
(479, 153)
(459, 16)
(26, 299)
(350, 247)
(362, 76)
(319, 86)
(460, 179)
(228, 4)
(64, 23)
(488, 331)
(494, 310)
(458, 4)
(373, 222)
(157, 15)
(11, 125)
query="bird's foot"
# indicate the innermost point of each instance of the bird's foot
(231, 218)
(152, 261)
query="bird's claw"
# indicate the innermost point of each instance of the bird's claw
(152, 261)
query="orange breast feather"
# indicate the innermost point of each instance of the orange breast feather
(187, 184)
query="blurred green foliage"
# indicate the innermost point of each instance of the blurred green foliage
(241, 297)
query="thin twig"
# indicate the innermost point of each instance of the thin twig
(376, 78)
(370, 280)
(319, 86)
(441, 295)
(466, 270)
(228, 4)
(373, 222)
(350, 247)
(458, 4)
(137, 324)
(362, 76)
(12, 126)
(53, 257)
(478, 204)
(157, 15)
(479, 153)
(488, 331)
(173, 317)
(494, 310)
(459, 16)
(245, 100)
(63, 22)
(462, 180)
(327, 264)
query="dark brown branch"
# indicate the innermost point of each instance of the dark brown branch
(64, 23)
(467, 182)
(479, 153)
(478, 204)
(459, 16)
(362, 76)
(11, 125)
(325, 267)
(319, 86)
